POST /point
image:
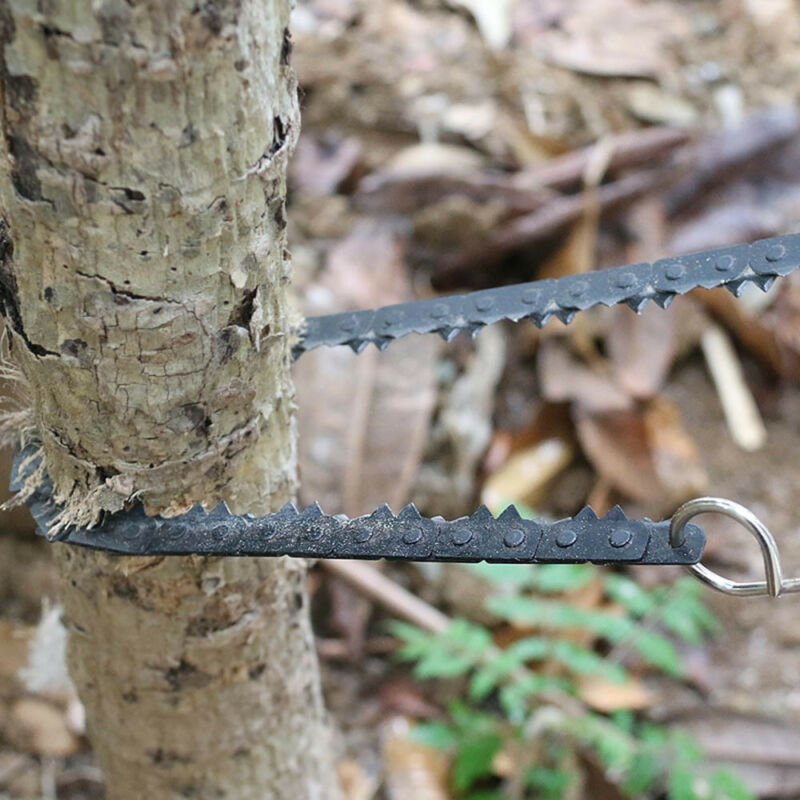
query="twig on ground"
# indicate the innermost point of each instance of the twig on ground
(385, 591)
(741, 413)
(553, 219)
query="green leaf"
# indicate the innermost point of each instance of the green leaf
(509, 576)
(727, 785)
(442, 665)
(438, 735)
(680, 785)
(468, 719)
(491, 675)
(515, 697)
(531, 648)
(545, 578)
(685, 614)
(447, 655)
(643, 773)
(474, 759)
(583, 661)
(629, 594)
(659, 651)
(558, 578)
(550, 784)
(554, 615)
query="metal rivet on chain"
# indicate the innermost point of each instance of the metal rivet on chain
(484, 303)
(514, 538)
(268, 532)
(620, 537)
(724, 263)
(313, 533)
(349, 324)
(775, 252)
(578, 289)
(412, 536)
(392, 318)
(439, 311)
(460, 536)
(218, 533)
(566, 538)
(674, 271)
(624, 280)
(531, 296)
(363, 535)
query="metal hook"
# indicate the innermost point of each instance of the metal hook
(774, 585)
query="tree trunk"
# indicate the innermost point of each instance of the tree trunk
(143, 281)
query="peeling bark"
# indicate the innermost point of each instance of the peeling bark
(144, 151)
(143, 281)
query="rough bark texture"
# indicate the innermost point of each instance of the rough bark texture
(142, 278)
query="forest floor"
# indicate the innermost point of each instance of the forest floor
(461, 144)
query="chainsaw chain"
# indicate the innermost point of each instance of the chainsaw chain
(732, 267)
(508, 538)
(409, 536)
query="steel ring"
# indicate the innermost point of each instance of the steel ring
(772, 586)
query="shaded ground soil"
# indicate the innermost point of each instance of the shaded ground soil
(755, 660)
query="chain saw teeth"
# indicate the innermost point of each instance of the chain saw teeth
(507, 538)
(310, 533)
(759, 263)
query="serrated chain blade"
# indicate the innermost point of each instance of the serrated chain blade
(734, 267)
(407, 536)
(508, 538)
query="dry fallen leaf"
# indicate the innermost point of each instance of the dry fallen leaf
(783, 321)
(14, 643)
(635, 41)
(645, 453)
(324, 164)
(38, 726)
(364, 419)
(566, 379)
(607, 696)
(526, 475)
(413, 771)
(642, 348)
(355, 782)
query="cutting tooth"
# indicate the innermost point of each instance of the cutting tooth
(409, 512)
(474, 329)
(566, 315)
(383, 342)
(313, 510)
(615, 514)
(664, 298)
(637, 302)
(764, 282)
(221, 511)
(586, 514)
(288, 510)
(735, 287)
(510, 514)
(382, 512)
(448, 334)
(540, 318)
(358, 345)
(482, 514)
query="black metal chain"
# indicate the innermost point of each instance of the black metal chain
(732, 267)
(480, 537)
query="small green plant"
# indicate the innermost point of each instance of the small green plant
(523, 699)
